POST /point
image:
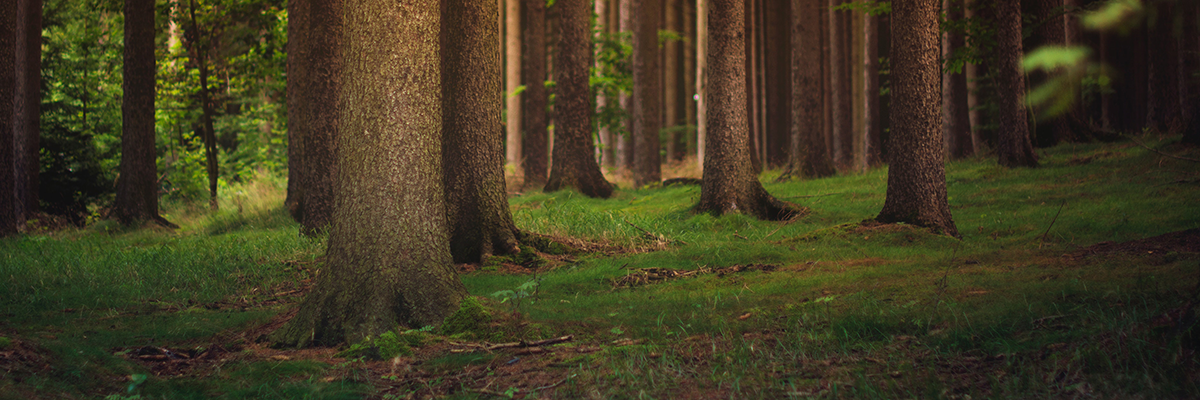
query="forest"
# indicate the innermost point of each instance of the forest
(694, 199)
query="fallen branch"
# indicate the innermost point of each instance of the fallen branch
(1139, 142)
(1047, 232)
(815, 195)
(523, 344)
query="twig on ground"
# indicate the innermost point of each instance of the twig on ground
(538, 343)
(815, 195)
(1047, 232)
(945, 281)
(1139, 142)
(551, 386)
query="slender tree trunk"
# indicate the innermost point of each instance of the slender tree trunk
(1050, 31)
(872, 145)
(752, 83)
(837, 38)
(320, 112)
(512, 48)
(626, 143)
(647, 95)
(1189, 59)
(535, 97)
(778, 81)
(573, 165)
(27, 111)
(299, 14)
(137, 188)
(689, 76)
(808, 153)
(916, 190)
(730, 183)
(1015, 148)
(974, 74)
(1163, 111)
(8, 24)
(388, 262)
(604, 151)
(701, 80)
(670, 74)
(956, 129)
(206, 117)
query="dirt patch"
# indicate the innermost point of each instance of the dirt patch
(1178, 242)
(646, 276)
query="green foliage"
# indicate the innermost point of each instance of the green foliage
(470, 316)
(388, 345)
(867, 6)
(1114, 15)
(613, 76)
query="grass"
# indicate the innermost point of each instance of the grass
(851, 310)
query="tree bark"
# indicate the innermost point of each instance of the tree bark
(1163, 111)
(916, 191)
(388, 261)
(137, 188)
(27, 111)
(670, 73)
(1050, 31)
(8, 24)
(701, 80)
(689, 76)
(872, 145)
(535, 97)
(208, 135)
(604, 136)
(647, 94)
(752, 87)
(512, 48)
(1189, 59)
(808, 154)
(573, 165)
(626, 143)
(956, 129)
(473, 154)
(730, 183)
(842, 147)
(1015, 148)
(778, 81)
(299, 14)
(319, 111)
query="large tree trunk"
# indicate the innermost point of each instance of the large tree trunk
(916, 190)
(319, 112)
(647, 95)
(872, 145)
(808, 153)
(299, 14)
(8, 23)
(137, 188)
(701, 80)
(574, 165)
(512, 59)
(473, 154)
(843, 145)
(27, 111)
(534, 99)
(730, 183)
(388, 262)
(1014, 148)
(956, 128)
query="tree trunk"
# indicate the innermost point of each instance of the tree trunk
(916, 190)
(535, 97)
(626, 143)
(473, 154)
(1163, 108)
(1050, 31)
(956, 127)
(388, 262)
(872, 146)
(808, 153)
(8, 24)
(319, 112)
(837, 101)
(200, 55)
(297, 79)
(604, 136)
(730, 183)
(137, 188)
(689, 76)
(573, 165)
(647, 95)
(752, 87)
(670, 74)
(778, 81)
(701, 80)
(1189, 59)
(975, 72)
(512, 48)
(27, 111)
(1015, 148)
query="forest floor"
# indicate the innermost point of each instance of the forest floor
(1078, 279)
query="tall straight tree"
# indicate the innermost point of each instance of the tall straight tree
(916, 190)
(316, 110)
(8, 23)
(872, 128)
(1014, 147)
(27, 106)
(842, 124)
(473, 153)
(701, 79)
(199, 55)
(1050, 30)
(647, 94)
(729, 184)
(512, 73)
(1189, 60)
(574, 163)
(604, 136)
(137, 188)
(670, 81)
(297, 76)
(808, 153)
(534, 100)
(388, 261)
(956, 128)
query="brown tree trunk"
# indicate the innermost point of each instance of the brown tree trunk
(299, 14)
(1014, 147)
(778, 81)
(319, 112)
(670, 74)
(512, 61)
(573, 165)
(729, 183)
(808, 153)
(956, 126)
(827, 84)
(472, 153)
(647, 95)
(872, 145)
(1163, 112)
(388, 262)
(916, 190)
(843, 144)
(752, 83)
(689, 76)
(27, 111)
(701, 80)
(534, 99)
(975, 73)
(8, 24)
(1189, 61)
(604, 136)
(1050, 31)
(626, 142)
(137, 188)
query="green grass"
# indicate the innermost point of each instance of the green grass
(851, 311)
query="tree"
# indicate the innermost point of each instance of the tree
(647, 94)
(729, 183)
(316, 109)
(574, 162)
(297, 76)
(512, 48)
(199, 54)
(534, 99)
(137, 188)
(701, 79)
(1189, 59)
(8, 23)
(670, 81)
(956, 128)
(1014, 147)
(388, 261)
(872, 128)
(473, 153)
(809, 156)
(27, 111)
(916, 190)
(842, 123)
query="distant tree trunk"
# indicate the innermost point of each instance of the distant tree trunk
(1050, 31)
(778, 81)
(604, 136)
(388, 262)
(320, 112)
(137, 187)
(701, 80)
(299, 14)
(1189, 59)
(752, 87)
(1015, 148)
(872, 145)
(689, 76)
(647, 94)
(535, 97)
(730, 183)
(574, 165)
(808, 155)
(27, 111)
(200, 56)
(956, 126)
(916, 190)
(626, 143)
(8, 24)
(842, 148)
(1163, 112)
(974, 74)
(473, 154)
(670, 82)
(512, 48)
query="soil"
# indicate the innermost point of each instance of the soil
(1177, 242)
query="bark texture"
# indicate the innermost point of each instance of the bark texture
(1014, 147)
(916, 191)
(512, 73)
(1189, 60)
(574, 162)
(872, 145)
(808, 153)
(534, 99)
(320, 112)
(670, 82)
(8, 22)
(473, 153)
(729, 182)
(297, 76)
(137, 188)
(27, 107)
(841, 124)
(647, 94)
(701, 80)
(388, 262)
(956, 126)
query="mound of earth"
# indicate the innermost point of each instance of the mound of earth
(1175, 242)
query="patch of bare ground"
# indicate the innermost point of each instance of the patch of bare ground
(646, 276)
(1187, 241)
